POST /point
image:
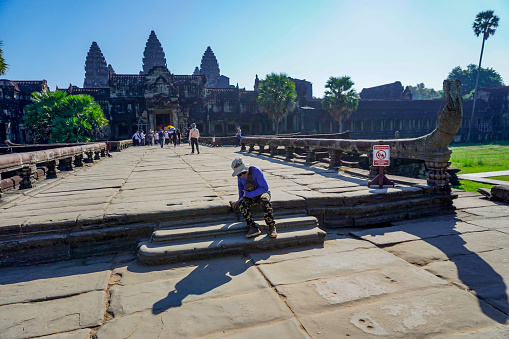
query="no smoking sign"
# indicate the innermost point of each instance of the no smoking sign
(381, 155)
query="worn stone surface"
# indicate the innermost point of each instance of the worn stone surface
(79, 334)
(432, 311)
(55, 316)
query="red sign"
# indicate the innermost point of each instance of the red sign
(381, 155)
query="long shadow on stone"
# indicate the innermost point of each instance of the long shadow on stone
(203, 279)
(473, 271)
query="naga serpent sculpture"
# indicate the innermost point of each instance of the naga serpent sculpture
(432, 147)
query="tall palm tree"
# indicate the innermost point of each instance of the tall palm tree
(3, 65)
(485, 24)
(276, 96)
(340, 99)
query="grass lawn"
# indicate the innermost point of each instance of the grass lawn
(480, 158)
(501, 177)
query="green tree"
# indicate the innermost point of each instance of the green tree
(420, 92)
(55, 117)
(276, 96)
(3, 65)
(485, 24)
(488, 77)
(340, 99)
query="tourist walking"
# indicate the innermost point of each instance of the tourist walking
(238, 136)
(156, 137)
(166, 137)
(142, 138)
(177, 131)
(150, 137)
(136, 138)
(194, 136)
(161, 137)
(253, 189)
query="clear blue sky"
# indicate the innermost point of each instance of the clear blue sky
(375, 42)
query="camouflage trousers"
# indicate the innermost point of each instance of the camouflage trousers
(245, 204)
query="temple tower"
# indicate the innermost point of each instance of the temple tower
(153, 54)
(210, 68)
(96, 71)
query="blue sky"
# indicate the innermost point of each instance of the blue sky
(374, 42)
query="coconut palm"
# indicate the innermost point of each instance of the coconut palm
(485, 24)
(340, 99)
(276, 96)
(3, 65)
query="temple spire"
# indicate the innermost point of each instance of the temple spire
(96, 71)
(210, 68)
(153, 54)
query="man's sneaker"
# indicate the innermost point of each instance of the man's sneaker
(272, 231)
(253, 232)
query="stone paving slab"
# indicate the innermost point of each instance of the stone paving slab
(54, 316)
(323, 295)
(209, 317)
(316, 267)
(52, 283)
(498, 332)
(472, 202)
(432, 311)
(490, 211)
(416, 231)
(79, 334)
(491, 223)
(422, 252)
(209, 280)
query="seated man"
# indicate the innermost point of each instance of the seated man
(253, 189)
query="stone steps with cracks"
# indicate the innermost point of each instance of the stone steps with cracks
(155, 253)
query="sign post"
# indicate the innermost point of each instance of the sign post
(381, 158)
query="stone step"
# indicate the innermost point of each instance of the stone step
(155, 253)
(206, 229)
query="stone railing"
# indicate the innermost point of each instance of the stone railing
(117, 146)
(22, 169)
(431, 148)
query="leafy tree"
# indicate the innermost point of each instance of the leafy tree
(485, 24)
(488, 77)
(276, 96)
(55, 117)
(420, 92)
(340, 99)
(3, 65)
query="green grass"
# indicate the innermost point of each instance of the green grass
(480, 158)
(471, 186)
(500, 177)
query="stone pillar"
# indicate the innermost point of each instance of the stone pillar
(242, 147)
(335, 157)
(261, 148)
(310, 155)
(27, 176)
(52, 171)
(97, 155)
(251, 148)
(437, 173)
(103, 152)
(65, 164)
(273, 150)
(90, 157)
(289, 152)
(78, 160)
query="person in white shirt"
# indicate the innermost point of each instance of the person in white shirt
(136, 139)
(194, 135)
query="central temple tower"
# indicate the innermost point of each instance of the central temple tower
(153, 55)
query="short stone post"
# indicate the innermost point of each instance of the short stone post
(273, 150)
(52, 171)
(335, 157)
(251, 148)
(97, 155)
(78, 160)
(437, 173)
(289, 152)
(27, 175)
(242, 147)
(65, 164)
(261, 148)
(103, 153)
(310, 155)
(90, 157)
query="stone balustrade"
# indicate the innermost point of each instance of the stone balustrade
(30, 165)
(431, 148)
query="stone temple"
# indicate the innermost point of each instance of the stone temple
(154, 97)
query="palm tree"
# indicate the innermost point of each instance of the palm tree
(340, 99)
(276, 96)
(485, 24)
(3, 65)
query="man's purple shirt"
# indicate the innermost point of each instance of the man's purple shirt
(260, 182)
